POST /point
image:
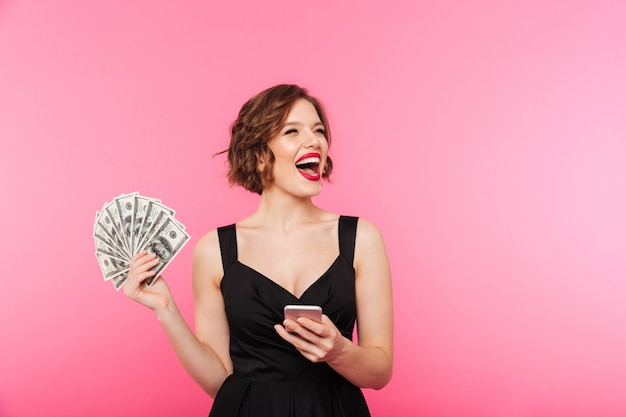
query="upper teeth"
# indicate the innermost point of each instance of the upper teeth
(311, 160)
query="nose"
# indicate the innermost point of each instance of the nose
(312, 140)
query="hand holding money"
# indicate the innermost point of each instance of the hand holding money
(131, 224)
(143, 268)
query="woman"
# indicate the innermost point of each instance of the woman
(289, 251)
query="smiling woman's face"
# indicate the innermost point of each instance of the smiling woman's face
(300, 150)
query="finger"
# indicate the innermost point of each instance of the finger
(313, 326)
(290, 337)
(144, 265)
(306, 348)
(301, 332)
(287, 331)
(142, 257)
(281, 332)
(140, 263)
(139, 271)
(139, 276)
(139, 254)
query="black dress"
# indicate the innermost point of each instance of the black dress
(271, 378)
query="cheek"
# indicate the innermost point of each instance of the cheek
(325, 145)
(284, 155)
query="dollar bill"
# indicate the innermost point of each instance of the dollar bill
(131, 223)
(119, 280)
(107, 249)
(106, 232)
(109, 221)
(166, 242)
(139, 213)
(156, 214)
(111, 266)
(125, 209)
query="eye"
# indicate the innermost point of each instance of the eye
(291, 131)
(321, 130)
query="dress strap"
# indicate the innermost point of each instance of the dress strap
(228, 245)
(347, 237)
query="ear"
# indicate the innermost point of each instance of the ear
(261, 162)
(262, 158)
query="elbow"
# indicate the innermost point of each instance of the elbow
(382, 381)
(380, 377)
(211, 392)
(385, 373)
(211, 387)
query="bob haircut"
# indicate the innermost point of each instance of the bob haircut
(260, 119)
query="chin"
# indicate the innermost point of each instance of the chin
(310, 191)
(318, 191)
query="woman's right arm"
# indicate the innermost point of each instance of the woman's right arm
(205, 354)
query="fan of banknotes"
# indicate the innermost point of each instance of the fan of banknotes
(132, 223)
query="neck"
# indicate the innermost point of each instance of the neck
(284, 210)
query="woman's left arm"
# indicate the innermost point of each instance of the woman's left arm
(368, 364)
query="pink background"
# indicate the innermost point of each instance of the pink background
(486, 139)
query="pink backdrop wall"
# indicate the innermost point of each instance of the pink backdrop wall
(486, 139)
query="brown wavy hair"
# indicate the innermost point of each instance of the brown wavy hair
(260, 119)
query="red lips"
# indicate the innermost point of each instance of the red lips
(308, 166)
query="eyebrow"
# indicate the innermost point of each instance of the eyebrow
(302, 124)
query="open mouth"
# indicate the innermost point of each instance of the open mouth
(309, 166)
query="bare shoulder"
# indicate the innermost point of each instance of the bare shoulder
(369, 247)
(207, 260)
(368, 234)
(208, 244)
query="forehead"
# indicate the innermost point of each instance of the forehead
(302, 111)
